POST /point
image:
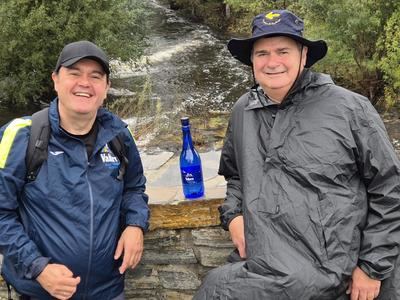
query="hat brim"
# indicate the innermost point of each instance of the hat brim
(74, 60)
(241, 48)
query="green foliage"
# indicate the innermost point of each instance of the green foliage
(210, 12)
(352, 29)
(254, 7)
(363, 39)
(390, 62)
(33, 32)
(245, 10)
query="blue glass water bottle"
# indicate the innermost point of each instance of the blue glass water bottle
(190, 165)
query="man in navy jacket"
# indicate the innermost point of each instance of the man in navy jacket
(74, 231)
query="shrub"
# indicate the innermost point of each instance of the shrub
(33, 32)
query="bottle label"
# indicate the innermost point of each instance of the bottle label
(192, 175)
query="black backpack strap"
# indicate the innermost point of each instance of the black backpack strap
(37, 152)
(9, 292)
(118, 147)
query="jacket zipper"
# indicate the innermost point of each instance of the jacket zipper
(90, 229)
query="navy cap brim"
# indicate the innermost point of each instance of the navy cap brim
(241, 48)
(71, 61)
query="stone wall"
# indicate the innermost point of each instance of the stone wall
(183, 243)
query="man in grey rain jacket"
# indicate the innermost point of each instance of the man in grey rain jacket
(313, 182)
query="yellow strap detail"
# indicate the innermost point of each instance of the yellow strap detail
(8, 138)
(130, 131)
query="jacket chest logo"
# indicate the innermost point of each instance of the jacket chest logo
(108, 158)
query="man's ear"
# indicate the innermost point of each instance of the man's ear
(108, 86)
(54, 77)
(304, 55)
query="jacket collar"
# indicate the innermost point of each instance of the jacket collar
(109, 124)
(258, 99)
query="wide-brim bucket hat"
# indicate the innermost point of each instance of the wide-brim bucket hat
(277, 23)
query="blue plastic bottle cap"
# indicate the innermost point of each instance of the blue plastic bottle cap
(185, 121)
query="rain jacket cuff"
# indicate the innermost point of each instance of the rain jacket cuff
(228, 217)
(143, 224)
(37, 267)
(135, 225)
(374, 274)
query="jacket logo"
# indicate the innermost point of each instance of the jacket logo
(55, 153)
(108, 158)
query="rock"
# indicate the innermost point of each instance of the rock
(143, 277)
(176, 277)
(141, 294)
(212, 237)
(155, 161)
(171, 295)
(185, 214)
(117, 93)
(213, 257)
(169, 256)
(161, 238)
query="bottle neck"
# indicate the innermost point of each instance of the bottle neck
(187, 138)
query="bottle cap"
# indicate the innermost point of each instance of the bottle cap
(185, 121)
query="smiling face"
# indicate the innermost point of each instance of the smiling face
(81, 89)
(277, 61)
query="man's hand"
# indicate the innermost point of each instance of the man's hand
(362, 287)
(131, 244)
(236, 229)
(58, 281)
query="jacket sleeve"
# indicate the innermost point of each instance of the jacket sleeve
(15, 244)
(232, 206)
(134, 202)
(380, 170)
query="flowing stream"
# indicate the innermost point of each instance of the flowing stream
(187, 64)
(190, 72)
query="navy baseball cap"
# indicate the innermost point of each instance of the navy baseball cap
(76, 51)
(277, 23)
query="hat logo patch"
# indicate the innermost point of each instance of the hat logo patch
(271, 18)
